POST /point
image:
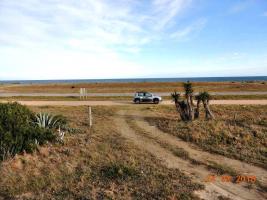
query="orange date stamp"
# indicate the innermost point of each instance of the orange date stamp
(227, 178)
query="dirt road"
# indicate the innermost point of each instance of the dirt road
(123, 103)
(151, 139)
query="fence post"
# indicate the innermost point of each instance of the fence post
(90, 116)
(83, 93)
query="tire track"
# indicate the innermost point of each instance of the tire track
(197, 173)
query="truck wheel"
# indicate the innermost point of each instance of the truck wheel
(137, 101)
(156, 101)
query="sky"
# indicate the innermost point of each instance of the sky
(88, 39)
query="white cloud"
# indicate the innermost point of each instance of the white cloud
(166, 10)
(64, 64)
(81, 39)
(184, 33)
(265, 14)
(105, 22)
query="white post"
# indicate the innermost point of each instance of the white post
(85, 93)
(90, 116)
(81, 91)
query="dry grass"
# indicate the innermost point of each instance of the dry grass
(67, 98)
(239, 132)
(91, 164)
(181, 153)
(133, 87)
(123, 98)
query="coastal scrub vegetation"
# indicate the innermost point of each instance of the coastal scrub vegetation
(96, 163)
(186, 108)
(22, 131)
(239, 132)
(133, 87)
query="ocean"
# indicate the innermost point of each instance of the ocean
(135, 80)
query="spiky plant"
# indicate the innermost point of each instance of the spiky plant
(181, 106)
(188, 89)
(205, 97)
(176, 96)
(186, 108)
(46, 120)
(198, 98)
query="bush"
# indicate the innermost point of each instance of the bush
(18, 132)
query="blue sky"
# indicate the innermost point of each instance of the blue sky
(71, 39)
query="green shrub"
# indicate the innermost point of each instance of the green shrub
(18, 132)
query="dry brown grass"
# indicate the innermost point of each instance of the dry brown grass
(181, 153)
(238, 132)
(123, 98)
(68, 98)
(133, 87)
(91, 164)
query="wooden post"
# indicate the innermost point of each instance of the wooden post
(85, 93)
(90, 116)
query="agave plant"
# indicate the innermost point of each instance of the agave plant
(46, 120)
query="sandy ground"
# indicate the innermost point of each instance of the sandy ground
(123, 103)
(152, 140)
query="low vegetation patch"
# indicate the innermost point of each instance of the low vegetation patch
(221, 169)
(18, 132)
(115, 171)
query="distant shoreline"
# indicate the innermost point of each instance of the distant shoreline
(139, 80)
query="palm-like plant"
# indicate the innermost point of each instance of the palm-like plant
(176, 96)
(198, 98)
(205, 97)
(181, 106)
(186, 108)
(188, 89)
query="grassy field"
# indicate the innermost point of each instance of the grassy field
(99, 163)
(133, 87)
(94, 163)
(238, 132)
(69, 98)
(123, 98)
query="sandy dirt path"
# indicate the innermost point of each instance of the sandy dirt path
(197, 172)
(123, 103)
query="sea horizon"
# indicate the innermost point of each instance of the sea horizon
(135, 80)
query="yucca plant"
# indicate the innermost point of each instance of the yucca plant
(181, 106)
(186, 108)
(49, 121)
(205, 97)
